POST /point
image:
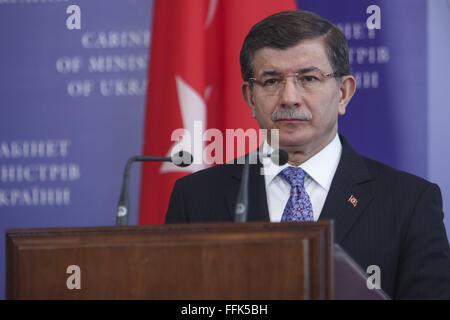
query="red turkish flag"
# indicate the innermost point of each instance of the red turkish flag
(194, 83)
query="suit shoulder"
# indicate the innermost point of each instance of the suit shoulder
(214, 174)
(399, 179)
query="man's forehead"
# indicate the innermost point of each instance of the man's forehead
(309, 53)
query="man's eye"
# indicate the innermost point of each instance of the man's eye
(308, 79)
(271, 82)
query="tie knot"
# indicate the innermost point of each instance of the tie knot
(294, 175)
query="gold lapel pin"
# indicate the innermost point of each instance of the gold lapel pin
(353, 200)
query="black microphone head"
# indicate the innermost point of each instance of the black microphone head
(279, 157)
(182, 159)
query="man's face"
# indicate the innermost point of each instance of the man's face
(311, 110)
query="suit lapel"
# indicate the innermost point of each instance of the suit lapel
(258, 210)
(346, 198)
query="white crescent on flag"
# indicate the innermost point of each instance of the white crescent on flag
(193, 109)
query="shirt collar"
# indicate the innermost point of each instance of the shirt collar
(321, 167)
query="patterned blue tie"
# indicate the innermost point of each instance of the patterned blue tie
(298, 207)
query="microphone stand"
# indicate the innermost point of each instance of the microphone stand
(241, 211)
(182, 159)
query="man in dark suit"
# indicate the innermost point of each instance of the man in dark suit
(297, 80)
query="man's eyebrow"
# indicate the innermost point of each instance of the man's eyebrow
(271, 73)
(278, 73)
(308, 69)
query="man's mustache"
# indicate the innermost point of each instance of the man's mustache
(291, 114)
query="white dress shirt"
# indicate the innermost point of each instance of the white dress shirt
(320, 170)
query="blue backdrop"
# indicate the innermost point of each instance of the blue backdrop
(72, 101)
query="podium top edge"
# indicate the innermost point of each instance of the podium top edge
(169, 227)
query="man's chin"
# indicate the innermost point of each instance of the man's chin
(293, 142)
(293, 145)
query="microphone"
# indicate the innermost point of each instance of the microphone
(278, 157)
(180, 159)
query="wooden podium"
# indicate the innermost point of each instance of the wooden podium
(184, 262)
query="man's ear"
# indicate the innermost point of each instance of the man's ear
(347, 90)
(249, 98)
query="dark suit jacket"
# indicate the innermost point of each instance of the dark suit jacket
(397, 223)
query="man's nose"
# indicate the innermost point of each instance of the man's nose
(290, 95)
